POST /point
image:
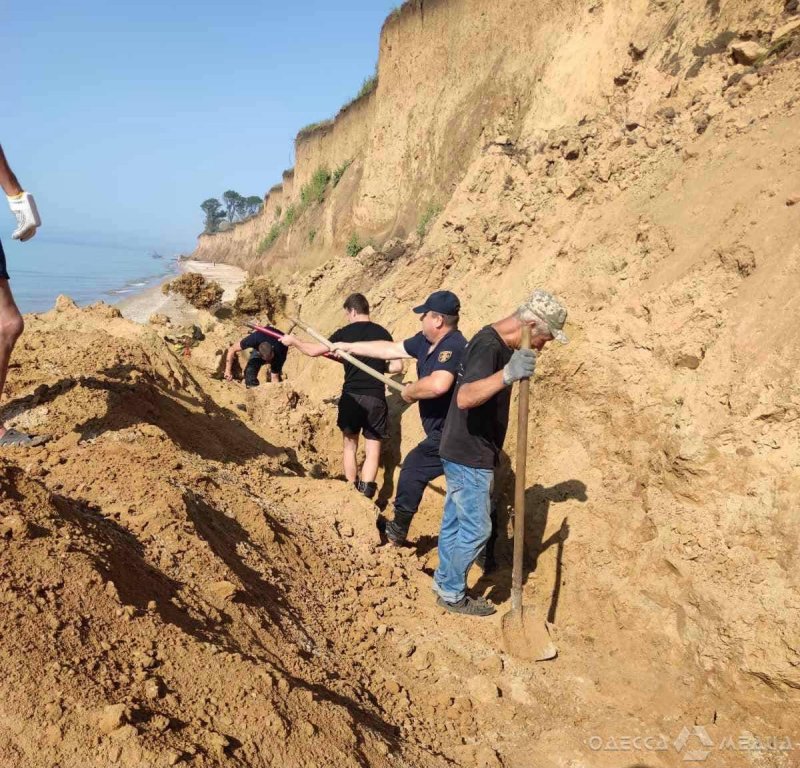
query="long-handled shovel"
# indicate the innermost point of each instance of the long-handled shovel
(350, 359)
(524, 635)
(274, 335)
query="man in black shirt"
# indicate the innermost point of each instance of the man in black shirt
(266, 350)
(473, 437)
(437, 349)
(362, 405)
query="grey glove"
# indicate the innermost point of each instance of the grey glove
(521, 366)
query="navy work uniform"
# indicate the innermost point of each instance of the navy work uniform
(256, 362)
(422, 464)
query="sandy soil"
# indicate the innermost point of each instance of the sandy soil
(140, 307)
(185, 578)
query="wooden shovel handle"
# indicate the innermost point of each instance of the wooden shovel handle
(519, 487)
(347, 356)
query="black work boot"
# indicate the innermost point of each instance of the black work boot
(368, 489)
(395, 534)
(397, 529)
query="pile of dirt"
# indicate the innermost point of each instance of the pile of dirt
(184, 580)
(196, 289)
(260, 296)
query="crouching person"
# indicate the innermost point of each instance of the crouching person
(266, 350)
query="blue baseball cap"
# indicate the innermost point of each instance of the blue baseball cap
(443, 302)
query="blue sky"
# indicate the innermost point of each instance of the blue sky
(122, 117)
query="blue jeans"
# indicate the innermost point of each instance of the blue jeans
(466, 526)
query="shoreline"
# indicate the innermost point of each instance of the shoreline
(139, 307)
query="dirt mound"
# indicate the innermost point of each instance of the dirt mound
(182, 582)
(194, 287)
(260, 296)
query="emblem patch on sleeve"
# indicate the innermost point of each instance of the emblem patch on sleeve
(445, 356)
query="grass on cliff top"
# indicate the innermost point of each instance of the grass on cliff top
(311, 128)
(310, 193)
(367, 87)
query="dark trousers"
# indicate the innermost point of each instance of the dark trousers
(423, 465)
(254, 365)
(420, 467)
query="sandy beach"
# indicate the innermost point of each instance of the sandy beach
(141, 306)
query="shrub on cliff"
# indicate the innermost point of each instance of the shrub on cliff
(198, 291)
(425, 221)
(339, 172)
(272, 236)
(260, 296)
(314, 191)
(354, 246)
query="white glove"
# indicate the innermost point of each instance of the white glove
(23, 206)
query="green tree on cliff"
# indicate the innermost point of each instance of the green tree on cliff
(232, 201)
(254, 204)
(214, 214)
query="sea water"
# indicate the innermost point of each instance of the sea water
(43, 268)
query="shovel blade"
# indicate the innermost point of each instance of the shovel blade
(527, 637)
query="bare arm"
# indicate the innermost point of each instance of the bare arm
(310, 348)
(8, 181)
(435, 384)
(232, 350)
(379, 350)
(396, 366)
(478, 392)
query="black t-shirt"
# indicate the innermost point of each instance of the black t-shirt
(446, 356)
(474, 436)
(258, 337)
(355, 380)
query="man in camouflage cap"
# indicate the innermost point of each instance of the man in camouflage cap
(473, 437)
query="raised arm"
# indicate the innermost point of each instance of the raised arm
(380, 350)
(20, 202)
(8, 181)
(433, 385)
(522, 365)
(478, 392)
(310, 348)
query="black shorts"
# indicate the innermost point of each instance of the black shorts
(3, 270)
(361, 412)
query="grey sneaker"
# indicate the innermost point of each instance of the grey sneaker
(470, 606)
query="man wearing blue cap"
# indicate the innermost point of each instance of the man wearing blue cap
(437, 348)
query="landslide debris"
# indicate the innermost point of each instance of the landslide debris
(200, 292)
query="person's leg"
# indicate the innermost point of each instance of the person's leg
(349, 421)
(421, 466)
(11, 327)
(254, 365)
(349, 452)
(473, 505)
(369, 470)
(375, 422)
(448, 533)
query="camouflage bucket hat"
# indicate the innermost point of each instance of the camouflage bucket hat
(548, 308)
